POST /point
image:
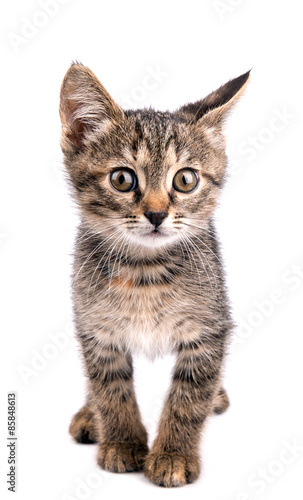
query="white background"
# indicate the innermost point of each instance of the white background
(193, 47)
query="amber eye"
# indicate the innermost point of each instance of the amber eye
(185, 180)
(123, 180)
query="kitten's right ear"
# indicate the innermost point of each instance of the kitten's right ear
(86, 108)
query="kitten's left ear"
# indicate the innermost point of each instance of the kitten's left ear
(215, 107)
(86, 108)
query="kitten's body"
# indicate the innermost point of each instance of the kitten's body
(147, 273)
(149, 304)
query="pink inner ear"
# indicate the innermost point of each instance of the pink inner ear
(84, 105)
(75, 127)
(77, 134)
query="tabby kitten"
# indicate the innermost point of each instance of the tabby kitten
(147, 271)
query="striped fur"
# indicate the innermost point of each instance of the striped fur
(137, 289)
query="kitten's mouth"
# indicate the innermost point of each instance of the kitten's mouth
(156, 238)
(155, 233)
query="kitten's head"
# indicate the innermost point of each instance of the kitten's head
(149, 178)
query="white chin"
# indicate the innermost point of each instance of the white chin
(154, 240)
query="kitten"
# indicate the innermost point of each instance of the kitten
(147, 270)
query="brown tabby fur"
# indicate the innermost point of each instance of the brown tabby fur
(133, 292)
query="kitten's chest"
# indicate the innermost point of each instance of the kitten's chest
(146, 308)
(152, 311)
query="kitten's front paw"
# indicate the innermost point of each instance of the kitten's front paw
(122, 457)
(171, 469)
(82, 427)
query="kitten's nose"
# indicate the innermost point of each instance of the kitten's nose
(156, 218)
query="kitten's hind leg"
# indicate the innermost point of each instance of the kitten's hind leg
(221, 402)
(82, 426)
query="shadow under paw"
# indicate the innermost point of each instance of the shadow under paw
(82, 427)
(122, 457)
(171, 469)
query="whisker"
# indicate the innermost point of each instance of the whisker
(191, 258)
(113, 267)
(99, 262)
(110, 250)
(201, 254)
(209, 249)
(202, 228)
(86, 260)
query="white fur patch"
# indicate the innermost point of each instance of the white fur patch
(152, 327)
(102, 129)
(214, 137)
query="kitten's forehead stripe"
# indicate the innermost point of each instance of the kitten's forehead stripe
(156, 145)
(144, 153)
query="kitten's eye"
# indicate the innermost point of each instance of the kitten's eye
(123, 180)
(185, 180)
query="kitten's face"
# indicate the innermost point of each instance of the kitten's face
(142, 179)
(147, 181)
